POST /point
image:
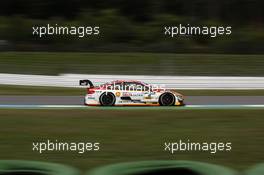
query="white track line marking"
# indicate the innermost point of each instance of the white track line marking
(224, 106)
(90, 107)
(41, 106)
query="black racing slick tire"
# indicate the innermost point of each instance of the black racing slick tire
(107, 99)
(167, 99)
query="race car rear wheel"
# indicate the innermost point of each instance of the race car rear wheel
(167, 99)
(107, 99)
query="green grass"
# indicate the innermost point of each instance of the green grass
(41, 90)
(131, 63)
(133, 135)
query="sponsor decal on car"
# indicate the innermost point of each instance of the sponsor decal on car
(127, 94)
(135, 94)
(118, 94)
(148, 97)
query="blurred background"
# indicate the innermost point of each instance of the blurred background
(131, 42)
(127, 29)
(133, 26)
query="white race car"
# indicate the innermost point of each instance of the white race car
(130, 93)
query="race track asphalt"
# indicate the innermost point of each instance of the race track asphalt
(78, 100)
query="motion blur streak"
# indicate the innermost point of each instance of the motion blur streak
(130, 108)
(179, 82)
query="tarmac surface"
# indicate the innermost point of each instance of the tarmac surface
(78, 100)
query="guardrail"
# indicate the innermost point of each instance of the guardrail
(178, 82)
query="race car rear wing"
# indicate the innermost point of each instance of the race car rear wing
(86, 83)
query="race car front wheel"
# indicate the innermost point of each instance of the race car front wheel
(107, 99)
(167, 99)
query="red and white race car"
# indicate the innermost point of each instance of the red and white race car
(130, 93)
